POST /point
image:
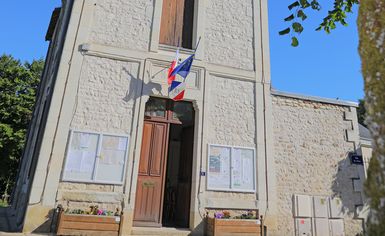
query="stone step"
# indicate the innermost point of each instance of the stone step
(151, 231)
(3, 223)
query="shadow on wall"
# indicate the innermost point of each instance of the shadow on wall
(146, 88)
(342, 185)
(344, 188)
(49, 224)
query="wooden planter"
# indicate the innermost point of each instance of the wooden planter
(229, 227)
(70, 224)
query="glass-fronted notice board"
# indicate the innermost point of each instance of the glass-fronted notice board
(231, 168)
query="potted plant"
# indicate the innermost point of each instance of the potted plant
(94, 221)
(224, 224)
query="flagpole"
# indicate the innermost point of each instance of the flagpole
(197, 45)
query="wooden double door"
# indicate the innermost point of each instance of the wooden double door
(152, 167)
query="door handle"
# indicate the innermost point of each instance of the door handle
(148, 184)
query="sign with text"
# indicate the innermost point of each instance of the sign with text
(356, 159)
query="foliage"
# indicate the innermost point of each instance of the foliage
(371, 28)
(226, 215)
(3, 203)
(361, 112)
(300, 8)
(18, 86)
(93, 210)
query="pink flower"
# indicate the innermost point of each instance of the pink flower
(100, 212)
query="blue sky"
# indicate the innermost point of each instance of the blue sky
(323, 65)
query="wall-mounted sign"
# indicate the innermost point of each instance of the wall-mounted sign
(356, 159)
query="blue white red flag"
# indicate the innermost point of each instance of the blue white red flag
(176, 90)
(183, 69)
(174, 63)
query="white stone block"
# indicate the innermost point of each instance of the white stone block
(349, 115)
(302, 206)
(320, 207)
(321, 227)
(335, 208)
(337, 227)
(357, 185)
(303, 227)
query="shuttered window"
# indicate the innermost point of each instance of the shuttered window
(177, 23)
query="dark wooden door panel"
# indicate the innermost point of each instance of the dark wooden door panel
(149, 192)
(167, 23)
(146, 144)
(148, 202)
(159, 144)
(172, 21)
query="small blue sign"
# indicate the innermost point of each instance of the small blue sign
(356, 159)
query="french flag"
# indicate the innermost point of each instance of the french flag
(183, 69)
(174, 63)
(176, 90)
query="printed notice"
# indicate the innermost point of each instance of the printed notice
(243, 169)
(219, 167)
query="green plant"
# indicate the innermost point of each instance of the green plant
(3, 203)
(18, 87)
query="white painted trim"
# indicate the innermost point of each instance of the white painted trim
(199, 27)
(314, 98)
(110, 52)
(155, 29)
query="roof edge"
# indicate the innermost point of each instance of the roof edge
(314, 98)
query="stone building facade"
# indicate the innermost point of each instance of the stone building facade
(106, 63)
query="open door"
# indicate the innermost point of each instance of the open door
(165, 168)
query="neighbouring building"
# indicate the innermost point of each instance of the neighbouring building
(104, 131)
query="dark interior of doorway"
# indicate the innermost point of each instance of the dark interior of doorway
(177, 192)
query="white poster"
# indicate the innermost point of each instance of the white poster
(74, 161)
(243, 169)
(219, 167)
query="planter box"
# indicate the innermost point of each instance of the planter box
(70, 224)
(229, 227)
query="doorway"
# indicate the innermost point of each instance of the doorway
(165, 167)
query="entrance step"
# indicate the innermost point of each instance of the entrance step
(7, 219)
(152, 231)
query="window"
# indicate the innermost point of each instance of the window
(93, 157)
(231, 169)
(177, 23)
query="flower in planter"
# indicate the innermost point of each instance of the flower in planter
(99, 212)
(222, 215)
(226, 214)
(218, 215)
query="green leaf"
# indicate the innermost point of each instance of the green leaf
(285, 31)
(304, 3)
(294, 41)
(294, 4)
(289, 18)
(301, 15)
(315, 5)
(297, 27)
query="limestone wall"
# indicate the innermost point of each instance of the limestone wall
(230, 121)
(104, 103)
(311, 146)
(122, 23)
(229, 33)
(228, 28)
